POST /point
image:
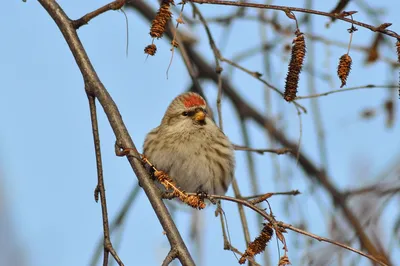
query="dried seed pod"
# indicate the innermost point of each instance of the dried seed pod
(344, 68)
(284, 260)
(295, 66)
(150, 49)
(259, 244)
(159, 23)
(180, 20)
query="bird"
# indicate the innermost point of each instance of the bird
(191, 148)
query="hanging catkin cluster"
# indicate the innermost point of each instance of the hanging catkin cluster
(150, 49)
(295, 66)
(159, 24)
(259, 244)
(344, 68)
(284, 260)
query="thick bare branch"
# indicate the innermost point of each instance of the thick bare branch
(95, 87)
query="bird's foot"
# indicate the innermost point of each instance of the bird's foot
(202, 194)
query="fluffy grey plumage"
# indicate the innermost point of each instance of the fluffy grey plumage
(190, 148)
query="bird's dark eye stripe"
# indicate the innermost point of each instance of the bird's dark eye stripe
(190, 113)
(201, 109)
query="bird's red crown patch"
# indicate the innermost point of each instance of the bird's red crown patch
(193, 100)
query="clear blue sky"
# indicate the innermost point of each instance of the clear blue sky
(47, 163)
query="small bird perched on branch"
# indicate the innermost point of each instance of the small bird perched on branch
(191, 148)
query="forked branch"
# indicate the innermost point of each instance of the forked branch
(100, 189)
(117, 4)
(97, 89)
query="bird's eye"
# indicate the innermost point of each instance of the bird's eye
(185, 113)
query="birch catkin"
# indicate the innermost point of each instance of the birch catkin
(159, 23)
(344, 68)
(295, 66)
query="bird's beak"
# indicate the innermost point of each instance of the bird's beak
(200, 116)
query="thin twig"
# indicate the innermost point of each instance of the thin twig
(218, 57)
(290, 227)
(172, 254)
(250, 164)
(283, 30)
(242, 214)
(174, 42)
(219, 212)
(370, 86)
(340, 6)
(127, 33)
(117, 4)
(225, 234)
(218, 68)
(235, 250)
(375, 188)
(315, 105)
(196, 86)
(302, 10)
(266, 62)
(257, 76)
(286, 193)
(108, 248)
(118, 221)
(336, 243)
(262, 151)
